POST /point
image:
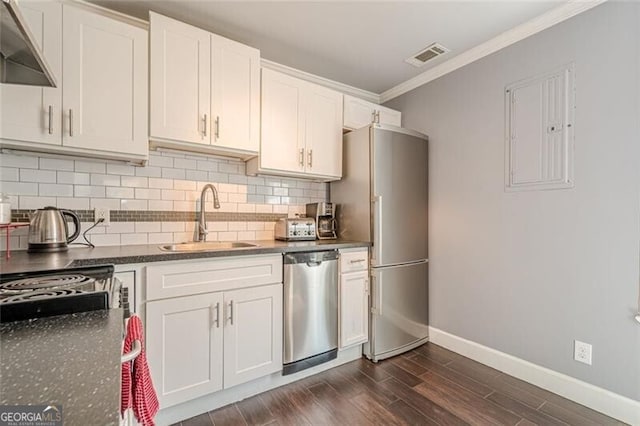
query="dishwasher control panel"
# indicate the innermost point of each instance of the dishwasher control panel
(296, 229)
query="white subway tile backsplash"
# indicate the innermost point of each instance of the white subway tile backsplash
(228, 236)
(160, 238)
(280, 209)
(264, 208)
(206, 165)
(173, 173)
(172, 194)
(183, 163)
(120, 227)
(181, 237)
(89, 191)
(246, 208)
(72, 203)
(34, 175)
(229, 168)
(90, 166)
(20, 161)
(133, 239)
(160, 183)
(9, 174)
(237, 198)
(160, 161)
(246, 235)
(147, 194)
(272, 200)
(105, 203)
(281, 191)
(105, 239)
(121, 169)
(218, 177)
(264, 235)
(104, 180)
(30, 203)
(74, 178)
(218, 226)
(134, 205)
(119, 192)
(19, 188)
(237, 226)
(186, 185)
(228, 207)
(196, 175)
(55, 190)
(183, 206)
(144, 227)
(172, 227)
(149, 171)
(160, 205)
(134, 181)
(255, 226)
(56, 164)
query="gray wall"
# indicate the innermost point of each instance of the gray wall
(526, 273)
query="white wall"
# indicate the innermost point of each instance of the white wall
(526, 273)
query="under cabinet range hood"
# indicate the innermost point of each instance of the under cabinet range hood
(21, 61)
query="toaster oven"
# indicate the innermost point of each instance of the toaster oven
(296, 229)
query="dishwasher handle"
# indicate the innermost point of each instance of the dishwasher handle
(311, 258)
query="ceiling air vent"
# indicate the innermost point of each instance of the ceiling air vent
(425, 55)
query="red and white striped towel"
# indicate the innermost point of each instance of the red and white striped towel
(137, 389)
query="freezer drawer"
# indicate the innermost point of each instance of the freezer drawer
(399, 318)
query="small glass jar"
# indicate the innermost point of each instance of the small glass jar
(5, 209)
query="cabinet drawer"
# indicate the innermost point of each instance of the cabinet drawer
(354, 260)
(204, 276)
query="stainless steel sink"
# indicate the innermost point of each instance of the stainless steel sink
(206, 246)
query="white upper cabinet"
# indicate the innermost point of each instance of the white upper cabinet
(100, 107)
(31, 113)
(359, 113)
(205, 90)
(104, 83)
(301, 129)
(235, 95)
(180, 81)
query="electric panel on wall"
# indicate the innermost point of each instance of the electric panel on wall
(539, 133)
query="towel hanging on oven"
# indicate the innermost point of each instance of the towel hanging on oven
(137, 388)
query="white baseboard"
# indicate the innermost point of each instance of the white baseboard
(604, 401)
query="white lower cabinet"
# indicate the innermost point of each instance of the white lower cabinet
(216, 339)
(185, 347)
(252, 333)
(354, 297)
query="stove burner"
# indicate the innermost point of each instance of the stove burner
(37, 283)
(41, 294)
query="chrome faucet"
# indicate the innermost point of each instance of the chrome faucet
(202, 226)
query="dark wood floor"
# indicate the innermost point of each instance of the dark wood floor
(428, 386)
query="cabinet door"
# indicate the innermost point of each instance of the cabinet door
(281, 144)
(323, 131)
(31, 113)
(389, 116)
(354, 308)
(184, 346)
(357, 112)
(180, 81)
(235, 95)
(104, 83)
(253, 333)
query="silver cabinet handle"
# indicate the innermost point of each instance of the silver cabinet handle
(376, 117)
(301, 160)
(366, 287)
(356, 261)
(50, 119)
(205, 125)
(231, 312)
(215, 319)
(217, 134)
(310, 158)
(71, 122)
(373, 116)
(135, 351)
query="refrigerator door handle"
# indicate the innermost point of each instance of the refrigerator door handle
(376, 298)
(377, 229)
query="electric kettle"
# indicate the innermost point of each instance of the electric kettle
(48, 230)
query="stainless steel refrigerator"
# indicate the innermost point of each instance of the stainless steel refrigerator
(382, 198)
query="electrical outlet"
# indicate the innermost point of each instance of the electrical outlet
(102, 214)
(582, 352)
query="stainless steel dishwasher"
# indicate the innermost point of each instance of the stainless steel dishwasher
(310, 309)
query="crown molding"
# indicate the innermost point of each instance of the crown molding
(109, 13)
(507, 38)
(340, 87)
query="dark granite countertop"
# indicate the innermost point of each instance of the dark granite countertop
(21, 261)
(72, 360)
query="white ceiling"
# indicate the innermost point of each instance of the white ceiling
(359, 43)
